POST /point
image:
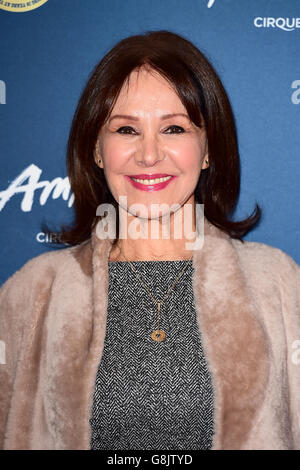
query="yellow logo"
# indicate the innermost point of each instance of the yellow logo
(20, 5)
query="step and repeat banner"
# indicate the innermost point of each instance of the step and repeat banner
(48, 49)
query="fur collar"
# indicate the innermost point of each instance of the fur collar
(234, 341)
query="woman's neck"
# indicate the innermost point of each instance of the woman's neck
(150, 250)
(169, 237)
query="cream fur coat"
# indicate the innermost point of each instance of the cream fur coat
(53, 324)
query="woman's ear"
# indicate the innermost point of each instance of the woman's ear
(205, 163)
(97, 156)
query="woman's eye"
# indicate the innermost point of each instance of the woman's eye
(175, 130)
(126, 128)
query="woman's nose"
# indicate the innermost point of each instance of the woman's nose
(149, 151)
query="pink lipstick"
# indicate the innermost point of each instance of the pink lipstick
(150, 182)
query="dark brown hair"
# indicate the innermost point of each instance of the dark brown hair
(199, 88)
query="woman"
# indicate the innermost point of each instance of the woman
(138, 341)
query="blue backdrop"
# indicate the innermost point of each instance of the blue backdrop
(46, 57)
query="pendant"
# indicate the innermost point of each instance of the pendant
(158, 335)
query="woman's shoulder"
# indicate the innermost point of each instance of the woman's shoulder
(273, 277)
(45, 265)
(266, 259)
(26, 292)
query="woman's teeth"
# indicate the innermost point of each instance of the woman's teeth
(154, 181)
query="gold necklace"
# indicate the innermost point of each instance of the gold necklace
(157, 335)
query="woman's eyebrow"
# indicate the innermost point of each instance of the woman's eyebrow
(134, 118)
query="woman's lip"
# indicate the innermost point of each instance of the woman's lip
(149, 176)
(150, 187)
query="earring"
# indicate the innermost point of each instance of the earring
(99, 160)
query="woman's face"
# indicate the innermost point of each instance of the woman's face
(149, 135)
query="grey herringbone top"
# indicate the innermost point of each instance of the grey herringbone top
(149, 394)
